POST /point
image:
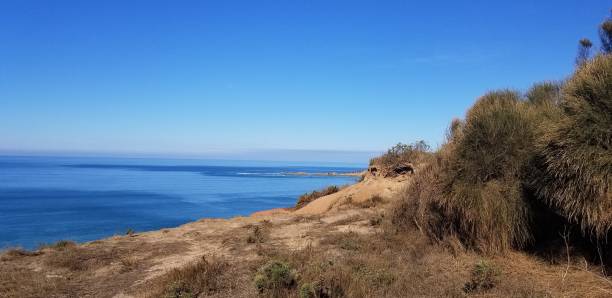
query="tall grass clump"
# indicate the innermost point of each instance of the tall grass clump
(419, 205)
(575, 151)
(479, 196)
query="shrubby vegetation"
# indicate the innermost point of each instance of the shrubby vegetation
(516, 159)
(402, 153)
(481, 189)
(575, 152)
(274, 277)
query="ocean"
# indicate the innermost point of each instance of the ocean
(46, 199)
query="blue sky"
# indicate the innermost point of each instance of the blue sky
(214, 78)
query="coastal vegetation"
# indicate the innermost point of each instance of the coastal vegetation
(517, 202)
(522, 169)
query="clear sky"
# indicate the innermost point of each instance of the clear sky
(216, 77)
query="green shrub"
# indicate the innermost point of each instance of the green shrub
(273, 276)
(484, 276)
(473, 187)
(575, 151)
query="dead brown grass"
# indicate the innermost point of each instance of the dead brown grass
(201, 278)
(81, 258)
(15, 253)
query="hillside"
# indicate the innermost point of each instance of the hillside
(338, 245)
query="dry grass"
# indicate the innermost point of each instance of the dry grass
(201, 278)
(18, 281)
(76, 258)
(59, 245)
(16, 253)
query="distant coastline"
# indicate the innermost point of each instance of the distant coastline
(350, 174)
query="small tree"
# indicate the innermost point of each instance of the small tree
(584, 51)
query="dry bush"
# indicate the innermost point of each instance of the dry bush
(201, 278)
(575, 152)
(400, 156)
(402, 153)
(306, 198)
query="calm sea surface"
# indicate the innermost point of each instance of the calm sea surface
(45, 199)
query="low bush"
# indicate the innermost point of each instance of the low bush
(275, 276)
(402, 153)
(484, 276)
(400, 156)
(306, 198)
(201, 278)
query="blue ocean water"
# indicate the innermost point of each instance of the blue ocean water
(45, 199)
